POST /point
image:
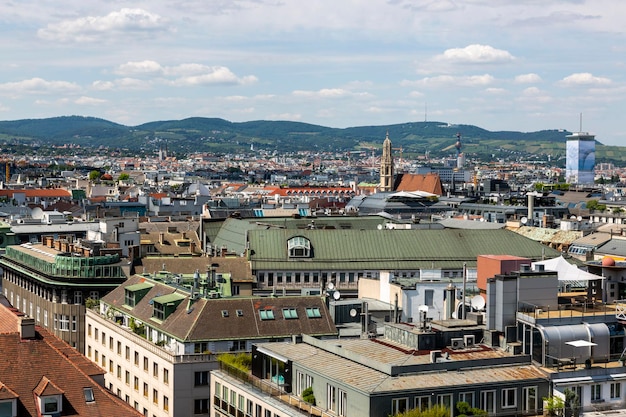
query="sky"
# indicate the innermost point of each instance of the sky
(521, 65)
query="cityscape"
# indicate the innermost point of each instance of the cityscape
(304, 285)
(260, 208)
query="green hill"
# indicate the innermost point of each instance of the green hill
(216, 135)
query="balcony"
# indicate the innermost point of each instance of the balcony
(267, 387)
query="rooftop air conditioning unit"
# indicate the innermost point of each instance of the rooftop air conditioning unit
(469, 340)
(434, 355)
(457, 343)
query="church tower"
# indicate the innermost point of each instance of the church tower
(386, 167)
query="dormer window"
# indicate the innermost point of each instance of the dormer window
(134, 293)
(51, 404)
(88, 392)
(165, 305)
(266, 314)
(299, 247)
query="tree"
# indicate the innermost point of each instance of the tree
(308, 396)
(123, 177)
(594, 205)
(94, 175)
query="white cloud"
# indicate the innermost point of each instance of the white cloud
(214, 75)
(126, 83)
(323, 93)
(139, 67)
(584, 78)
(495, 91)
(93, 28)
(39, 86)
(530, 78)
(285, 116)
(450, 80)
(89, 101)
(475, 54)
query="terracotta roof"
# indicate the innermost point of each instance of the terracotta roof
(431, 183)
(46, 365)
(38, 192)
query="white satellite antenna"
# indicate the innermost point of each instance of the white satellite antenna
(423, 308)
(336, 295)
(579, 218)
(353, 312)
(330, 286)
(379, 227)
(524, 220)
(477, 302)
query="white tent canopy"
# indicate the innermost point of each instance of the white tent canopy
(566, 271)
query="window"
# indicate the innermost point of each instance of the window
(89, 330)
(488, 401)
(343, 403)
(445, 400)
(201, 378)
(166, 376)
(467, 397)
(422, 403)
(127, 353)
(529, 399)
(224, 313)
(111, 342)
(89, 351)
(166, 403)
(200, 347)
(88, 392)
(96, 356)
(127, 378)
(74, 323)
(218, 389)
(136, 383)
(313, 312)
(136, 358)
(201, 406)
(299, 247)
(64, 322)
(399, 405)
(239, 313)
(158, 311)
(94, 295)
(238, 345)
(596, 392)
(145, 363)
(616, 390)
(119, 371)
(331, 397)
(509, 398)
(155, 370)
(51, 404)
(155, 396)
(290, 313)
(428, 297)
(145, 390)
(78, 297)
(266, 314)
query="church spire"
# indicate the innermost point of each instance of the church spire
(386, 166)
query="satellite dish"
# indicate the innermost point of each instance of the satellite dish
(524, 220)
(477, 302)
(331, 286)
(353, 312)
(379, 227)
(423, 308)
(572, 217)
(579, 218)
(336, 295)
(37, 213)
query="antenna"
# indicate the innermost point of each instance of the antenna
(524, 220)
(336, 295)
(353, 312)
(581, 122)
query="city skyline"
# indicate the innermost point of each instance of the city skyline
(524, 66)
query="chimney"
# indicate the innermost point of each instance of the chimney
(192, 246)
(27, 328)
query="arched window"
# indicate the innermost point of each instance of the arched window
(299, 247)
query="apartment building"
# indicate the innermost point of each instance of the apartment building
(53, 280)
(159, 338)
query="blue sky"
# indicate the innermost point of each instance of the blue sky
(520, 65)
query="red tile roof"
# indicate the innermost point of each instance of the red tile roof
(431, 183)
(38, 192)
(46, 365)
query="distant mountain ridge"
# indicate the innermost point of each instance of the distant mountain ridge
(199, 134)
